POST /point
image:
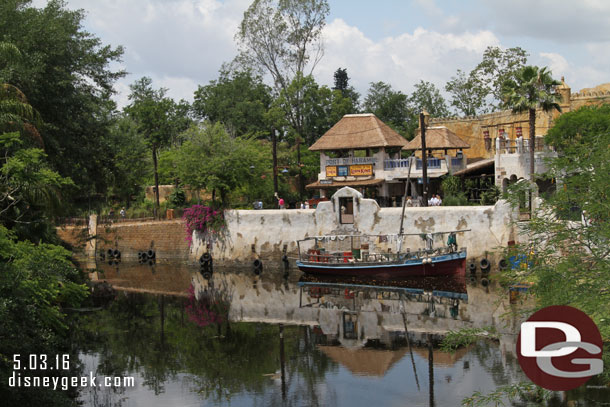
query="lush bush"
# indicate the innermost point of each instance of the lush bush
(203, 219)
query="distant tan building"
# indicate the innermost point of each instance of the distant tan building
(500, 138)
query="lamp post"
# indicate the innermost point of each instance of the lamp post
(423, 123)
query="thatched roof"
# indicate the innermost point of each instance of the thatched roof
(358, 131)
(365, 362)
(437, 138)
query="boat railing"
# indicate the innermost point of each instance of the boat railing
(319, 255)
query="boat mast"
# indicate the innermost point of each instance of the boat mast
(404, 204)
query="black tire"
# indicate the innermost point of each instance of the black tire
(503, 264)
(257, 266)
(472, 267)
(150, 254)
(484, 282)
(207, 275)
(110, 253)
(485, 264)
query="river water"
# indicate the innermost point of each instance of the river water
(294, 341)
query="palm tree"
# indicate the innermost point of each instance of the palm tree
(532, 88)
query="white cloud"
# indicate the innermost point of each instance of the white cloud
(176, 42)
(400, 60)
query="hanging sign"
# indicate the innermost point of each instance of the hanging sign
(361, 170)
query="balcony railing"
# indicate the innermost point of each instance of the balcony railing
(521, 146)
(433, 164)
(389, 165)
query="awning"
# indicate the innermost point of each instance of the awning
(340, 184)
(479, 165)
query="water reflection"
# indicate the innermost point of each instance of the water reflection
(291, 342)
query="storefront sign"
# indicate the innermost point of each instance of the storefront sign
(342, 170)
(360, 170)
(331, 171)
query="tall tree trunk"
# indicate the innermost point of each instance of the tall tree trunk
(301, 187)
(154, 154)
(532, 120)
(274, 153)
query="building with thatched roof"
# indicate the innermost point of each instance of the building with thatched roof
(362, 152)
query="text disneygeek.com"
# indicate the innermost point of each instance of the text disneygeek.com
(64, 383)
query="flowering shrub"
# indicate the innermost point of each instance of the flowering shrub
(212, 307)
(203, 219)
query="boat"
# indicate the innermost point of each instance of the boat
(372, 256)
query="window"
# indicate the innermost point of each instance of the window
(346, 212)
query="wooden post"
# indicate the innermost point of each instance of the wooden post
(424, 158)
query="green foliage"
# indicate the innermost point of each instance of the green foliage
(497, 67)
(522, 391)
(480, 91)
(211, 159)
(320, 108)
(571, 260)
(451, 185)
(132, 167)
(36, 282)
(177, 198)
(65, 73)
(468, 94)
(390, 106)
(490, 196)
(238, 100)
(466, 336)
(427, 97)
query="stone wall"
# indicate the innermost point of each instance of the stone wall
(267, 232)
(166, 238)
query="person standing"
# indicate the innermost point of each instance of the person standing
(280, 201)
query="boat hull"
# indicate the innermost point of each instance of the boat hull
(443, 265)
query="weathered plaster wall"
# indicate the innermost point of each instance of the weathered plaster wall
(268, 231)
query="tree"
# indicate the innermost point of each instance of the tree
(532, 88)
(320, 107)
(497, 67)
(283, 37)
(427, 96)
(131, 169)
(481, 90)
(65, 73)
(468, 94)
(210, 158)
(390, 106)
(570, 232)
(341, 81)
(154, 114)
(238, 99)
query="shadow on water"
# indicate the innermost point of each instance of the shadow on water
(246, 340)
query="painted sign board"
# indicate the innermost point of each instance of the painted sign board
(331, 171)
(361, 170)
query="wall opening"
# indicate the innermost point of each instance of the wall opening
(346, 206)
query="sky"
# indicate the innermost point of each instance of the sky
(182, 44)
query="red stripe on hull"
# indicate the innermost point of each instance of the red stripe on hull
(444, 268)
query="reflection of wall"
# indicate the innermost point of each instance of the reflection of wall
(272, 300)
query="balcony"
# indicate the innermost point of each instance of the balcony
(399, 168)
